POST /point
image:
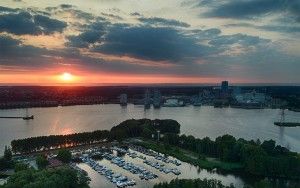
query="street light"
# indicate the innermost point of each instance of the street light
(158, 135)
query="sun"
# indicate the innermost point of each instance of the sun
(67, 77)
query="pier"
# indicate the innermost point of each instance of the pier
(17, 117)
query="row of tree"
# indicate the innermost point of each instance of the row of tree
(126, 129)
(33, 144)
(266, 159)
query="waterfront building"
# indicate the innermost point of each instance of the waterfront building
(173, 103)
(252, 99)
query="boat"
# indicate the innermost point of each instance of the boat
(27, 117)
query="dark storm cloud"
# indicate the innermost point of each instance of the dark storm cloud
(14, 48)
(151, 43)
(158, 43)
(248, 9)
(163, 22)
(91, 35)
(49, 25)
(24, 23)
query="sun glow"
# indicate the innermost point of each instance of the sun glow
(67, 77)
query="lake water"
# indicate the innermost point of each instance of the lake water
(197, 121)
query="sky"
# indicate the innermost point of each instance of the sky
(149, 41)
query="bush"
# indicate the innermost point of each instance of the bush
(64, 155)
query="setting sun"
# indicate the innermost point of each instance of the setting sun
(67, 77)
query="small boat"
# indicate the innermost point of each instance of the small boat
(28, 117)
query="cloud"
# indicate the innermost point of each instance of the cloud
(159, 43)
(248, 9)
(290, 29)
(25, 23)
(66, 6)
(135, 14)
(6, 9)
(113, 16)
(60, 7)
(242, 39)
(162, 22)
(49, 25)
(91, 35)
(14, 48)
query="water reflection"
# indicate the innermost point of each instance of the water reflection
(197, 121)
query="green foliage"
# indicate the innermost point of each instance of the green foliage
(126, 129)
(20, 167)
(6, 161)
(41, 161)
(195, 183)
(64, 155)
(4, 164)
(54, 178)
(143, 128)
(34, 144)
(7, 154)
(263, 159)
(263, 184)
(190, 157)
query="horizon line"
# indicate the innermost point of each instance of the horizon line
(145, 84)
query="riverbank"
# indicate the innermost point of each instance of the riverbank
(191, 157)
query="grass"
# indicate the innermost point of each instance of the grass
(191, 157)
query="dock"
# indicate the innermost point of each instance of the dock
(287, 124)
(17, 117)
(12, 117)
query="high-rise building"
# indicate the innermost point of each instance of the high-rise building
(123, 99)
(147, 100)
(157, 99)
(224, 86)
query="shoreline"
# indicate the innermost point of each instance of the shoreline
(162, 106)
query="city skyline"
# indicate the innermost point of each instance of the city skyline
(174, 41)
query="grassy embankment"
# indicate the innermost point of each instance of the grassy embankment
(191, 157)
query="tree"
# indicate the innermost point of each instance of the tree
(7, 154)
(41, 161)
(20, 167)
(269, 146)
(64, 155)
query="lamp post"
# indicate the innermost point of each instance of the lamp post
(158, 135)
